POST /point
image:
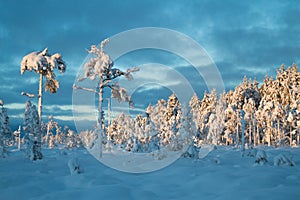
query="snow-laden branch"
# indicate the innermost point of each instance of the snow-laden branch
(120, 94)
(44, 63)
(100, 67)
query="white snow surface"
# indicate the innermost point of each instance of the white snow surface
(222, 174)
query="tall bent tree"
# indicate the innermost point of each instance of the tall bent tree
(44, 64)
(100, 68)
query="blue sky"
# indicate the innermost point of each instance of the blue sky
(242, 37)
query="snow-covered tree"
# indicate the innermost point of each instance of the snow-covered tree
(44, 64)
(73, 140)
(249, 117)
(87, 138)
(5, 131)
(202, 109)
(49, 137)
(17, 135)
(172, 122)
(60, 136)
(100, 68)
(278, 120)
(216, 122)
(32, 129)
(195, 106)
(230, 123)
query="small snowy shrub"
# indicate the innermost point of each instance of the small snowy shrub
(282, 160)
(261, 157)
(74, 166)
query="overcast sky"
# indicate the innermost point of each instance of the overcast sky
(250, 38)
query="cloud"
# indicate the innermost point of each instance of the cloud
(242, 38)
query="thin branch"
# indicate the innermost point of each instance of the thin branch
(105, 84)
(76, 87)
(28, 95)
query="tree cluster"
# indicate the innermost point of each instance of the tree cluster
(271, 112)
(160, 127)
(251, 114)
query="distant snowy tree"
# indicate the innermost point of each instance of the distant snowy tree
(87, 138)
(60, 136)
(216, 122)
(170, 132)
(49, 138)
(231, 121)
(44, 64)
(245, 91)
(298, 123)
(71, 141)
(201, 112)
(189, 130)
(32, 129)
(5, 131)
(17, 135)
(195, 105)
(278, 120)
(100, 68)
(250, 123)
(156, 117)
(243, 125)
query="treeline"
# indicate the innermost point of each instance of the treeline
(266, 114)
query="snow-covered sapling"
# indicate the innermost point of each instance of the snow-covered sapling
(5, 131)
(32, 129)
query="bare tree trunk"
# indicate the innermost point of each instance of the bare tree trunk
(237, 135)
(291, 136)
(243, 134)
(254, 133)
(250, 133)
(39, 135)
(237, 129)
(257, 135)
(108, 112)
(40, 98)
(100, 115)
(278, 132)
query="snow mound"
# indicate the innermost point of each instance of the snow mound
(252, 152)
(283, 160)
(261, 157)
(74, 166)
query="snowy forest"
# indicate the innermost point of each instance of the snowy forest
(250, 115)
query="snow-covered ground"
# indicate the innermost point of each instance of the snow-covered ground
(223, 174)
